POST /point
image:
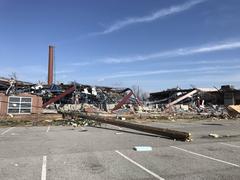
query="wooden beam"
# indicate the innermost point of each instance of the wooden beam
(173, 134)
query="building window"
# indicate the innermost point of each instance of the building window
(19, 105)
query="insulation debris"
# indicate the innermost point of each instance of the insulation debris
(213, 135)
(142, 148)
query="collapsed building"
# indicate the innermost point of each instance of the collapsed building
(22, 98)
(227, 95)
(19, 97)
(205, 100)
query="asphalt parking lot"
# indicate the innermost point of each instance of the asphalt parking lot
(61, 152)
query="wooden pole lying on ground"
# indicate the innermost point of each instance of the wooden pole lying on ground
(173, 134)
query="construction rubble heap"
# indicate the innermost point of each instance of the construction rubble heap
(117, 106)
(205, 102)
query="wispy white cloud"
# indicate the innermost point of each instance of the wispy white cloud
(202, 70)
(63, 72)
(220, 46)
(161, 55)
(30, 73)
(152, 17)
(211, 61)
(81, 63)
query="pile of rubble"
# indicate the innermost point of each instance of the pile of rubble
(122, 102)
(205, 102)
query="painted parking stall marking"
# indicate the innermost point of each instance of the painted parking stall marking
(44, 168)
(207, 157)
(9, 129)
(231, 145)
(140, 166)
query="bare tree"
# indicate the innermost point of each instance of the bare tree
(141, 94)
(144, 96)
(13, 75)
(136, 90)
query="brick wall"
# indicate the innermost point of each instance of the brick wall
(36, 103)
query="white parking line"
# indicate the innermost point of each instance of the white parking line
(140, 166)
(231, 145)
(4, 132)
(201, 155)
(44, 168)
(48, 129)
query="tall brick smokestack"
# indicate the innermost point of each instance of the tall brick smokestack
(50, 64)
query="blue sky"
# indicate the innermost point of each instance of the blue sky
(156, 44)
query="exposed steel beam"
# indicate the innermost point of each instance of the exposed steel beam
(60, 96)
(123, 101)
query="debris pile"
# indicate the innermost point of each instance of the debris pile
(206, 102)
(122, 102)
(83, 105)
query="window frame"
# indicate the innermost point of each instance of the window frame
(20, 102)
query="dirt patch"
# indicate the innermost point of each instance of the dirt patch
(29, 119)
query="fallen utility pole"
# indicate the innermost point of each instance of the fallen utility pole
(173, 134)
